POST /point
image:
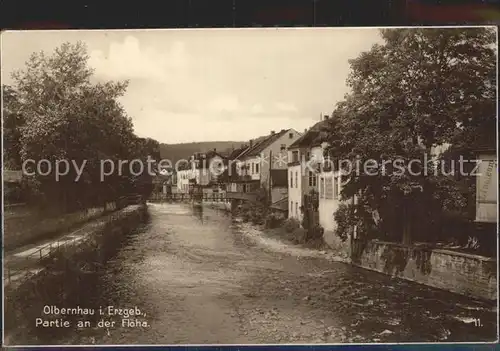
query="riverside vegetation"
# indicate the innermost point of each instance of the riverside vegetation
(70, 278)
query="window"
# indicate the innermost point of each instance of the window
(296, 179)
(295, 156)
(312, 179)
(297, 209)
(290, 135)
(253, 167)
(291, 179)
(283, 147)
(308, 155)
(256, 168)
(291, 208)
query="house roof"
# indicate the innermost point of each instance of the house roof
(281, 204)
(263, 142)
(237, 152)
(311, 137)
(208, 155)
(279, 177)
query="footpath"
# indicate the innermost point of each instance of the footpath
(23, 262)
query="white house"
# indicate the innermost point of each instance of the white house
(304, 156)
(183, 178)
(329, 188)
(267, 157)
(295, 191)
(208, 167)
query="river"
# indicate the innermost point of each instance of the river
(198, 277)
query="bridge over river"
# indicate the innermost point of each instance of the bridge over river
(203, 197)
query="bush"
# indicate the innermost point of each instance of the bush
(316, 233)
(349, 216)
(298, 235)
(274, 220)
(291, 224)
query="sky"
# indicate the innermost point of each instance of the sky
(216, 84)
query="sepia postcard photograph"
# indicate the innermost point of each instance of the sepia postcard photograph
(250, 186)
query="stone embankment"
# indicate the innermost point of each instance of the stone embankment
(61, 270)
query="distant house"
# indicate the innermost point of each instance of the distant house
(209, 167)
(202, 169)
(264, 155)
(238, 178)
(487, 186)
(165, 181)
(185, 174)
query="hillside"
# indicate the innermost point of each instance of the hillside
(175, 152)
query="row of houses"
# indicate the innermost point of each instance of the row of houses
(259, 167)
(286, 167)
(272, 167)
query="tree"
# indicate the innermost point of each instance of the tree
(146, 150)
(13, 121)
(67, 117)
(420, 89)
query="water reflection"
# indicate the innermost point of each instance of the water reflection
(198, 212)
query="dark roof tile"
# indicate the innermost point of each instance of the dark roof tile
(311, 136)
(260, 146)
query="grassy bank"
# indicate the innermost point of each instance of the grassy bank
(274, 224)
(70, 278)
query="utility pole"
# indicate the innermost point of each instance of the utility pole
(270, 177)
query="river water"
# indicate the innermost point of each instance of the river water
(198, 277)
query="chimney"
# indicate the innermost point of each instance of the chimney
(282, 130)
(273, 132)
(305, 130)
(215, 150)
(251, 142)
(326, 117)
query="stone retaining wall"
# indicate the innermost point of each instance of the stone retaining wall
(461, 273)
(24, 224)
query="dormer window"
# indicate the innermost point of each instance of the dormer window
(290, 135)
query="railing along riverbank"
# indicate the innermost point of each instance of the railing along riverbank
(22, 265)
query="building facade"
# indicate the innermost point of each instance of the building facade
(265, 157)
(184, 177)
(305, 156)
